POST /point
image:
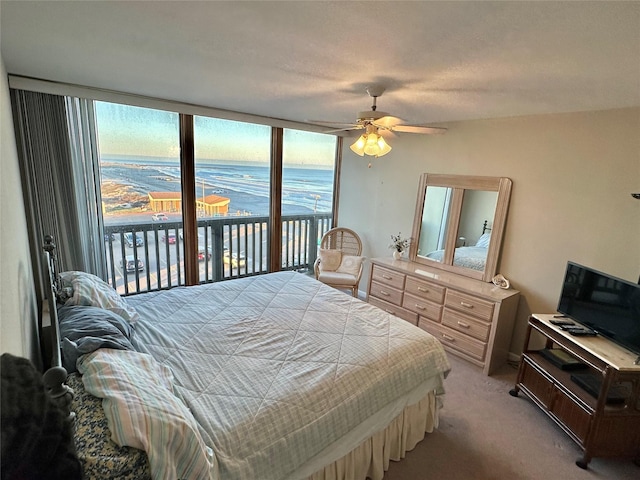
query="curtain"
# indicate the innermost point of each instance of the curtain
(60, 178)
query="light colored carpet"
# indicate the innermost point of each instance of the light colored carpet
(487, 434)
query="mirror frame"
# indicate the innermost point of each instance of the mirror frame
(460, 183)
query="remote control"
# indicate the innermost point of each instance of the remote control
(582, 333)
(571, 326)
(562, 322)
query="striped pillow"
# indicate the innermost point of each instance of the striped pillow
(89, 289)
(142, 412)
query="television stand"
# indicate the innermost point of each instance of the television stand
(601, 426)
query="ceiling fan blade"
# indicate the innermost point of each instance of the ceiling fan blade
(333, 124)
(388, 121)
(418, 129)
(387, 133)
(346, 129)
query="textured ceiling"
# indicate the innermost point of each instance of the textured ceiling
(300, 60)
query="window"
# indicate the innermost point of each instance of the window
(232, 167)
(139, 151)
(141, 199)
(308, 165)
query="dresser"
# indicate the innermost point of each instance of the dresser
(473, 319)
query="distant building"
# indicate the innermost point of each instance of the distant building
(209, 206)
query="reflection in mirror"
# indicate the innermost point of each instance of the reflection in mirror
(459, 223)
(474, 229)
(435, 220)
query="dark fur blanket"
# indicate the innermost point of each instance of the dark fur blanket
(37, 441)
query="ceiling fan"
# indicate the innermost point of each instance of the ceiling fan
(377, 124)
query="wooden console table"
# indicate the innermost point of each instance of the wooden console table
(602, 424)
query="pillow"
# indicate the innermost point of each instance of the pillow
(91, 290)
(142, 412)
(330, 259)
(84, 329)
(483, 241)
(350, 264)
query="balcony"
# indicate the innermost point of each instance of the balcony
(144, 257)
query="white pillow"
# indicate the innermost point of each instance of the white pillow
(89, 289)
(330, 259)
(484, 240)
(350, 264)
(142, 412)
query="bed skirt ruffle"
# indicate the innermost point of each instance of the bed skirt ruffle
(371, 458)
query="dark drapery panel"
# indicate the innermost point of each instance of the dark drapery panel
(60, 178)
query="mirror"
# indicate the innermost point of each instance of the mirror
(459, 223)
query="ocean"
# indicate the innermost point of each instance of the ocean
(309, 188)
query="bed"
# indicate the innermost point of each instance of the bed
(276, 376)
(473, 257)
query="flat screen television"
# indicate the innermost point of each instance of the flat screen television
(606, 304)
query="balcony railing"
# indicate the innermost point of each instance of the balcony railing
(143, 257)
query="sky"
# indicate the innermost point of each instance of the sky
(137, 131)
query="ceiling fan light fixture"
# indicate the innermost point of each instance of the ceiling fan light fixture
(358, 146)
(371, 143)
(384, 147)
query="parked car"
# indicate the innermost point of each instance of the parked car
(170, 238)
(159, 217)
(129, 264)
(234, 260)
(202, 254)
(128, 239)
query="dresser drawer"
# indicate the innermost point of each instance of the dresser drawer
(426, 309)
(466, 324)
(386, 293)
(455, 340)
(388, 277)
(471, 305)
(395, 310)
(426, 290)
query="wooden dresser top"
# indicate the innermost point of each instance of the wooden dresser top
(445, 278)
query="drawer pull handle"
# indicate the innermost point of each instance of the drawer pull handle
(466, 305)
(391, 312)
(420, 307)
(448, 338)
(463, 325)
(382, 292)
(387, 277)
(422, 289)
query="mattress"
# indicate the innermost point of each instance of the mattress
(283, 373)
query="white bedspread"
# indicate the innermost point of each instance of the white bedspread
(277, 367)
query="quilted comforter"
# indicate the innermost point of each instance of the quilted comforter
(276, 368)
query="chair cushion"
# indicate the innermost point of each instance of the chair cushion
(330, 259)
(350, 264)
(335, 278)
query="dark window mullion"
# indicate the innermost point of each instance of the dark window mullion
(275, 202)
(189, 217)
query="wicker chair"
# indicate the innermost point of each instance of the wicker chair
(347, 275)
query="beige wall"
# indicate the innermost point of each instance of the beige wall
(572, 178)
(18, 316)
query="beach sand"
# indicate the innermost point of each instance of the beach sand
(125, 197)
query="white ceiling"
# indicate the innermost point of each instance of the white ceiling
(300, 60)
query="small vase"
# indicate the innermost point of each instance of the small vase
(397, 255)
